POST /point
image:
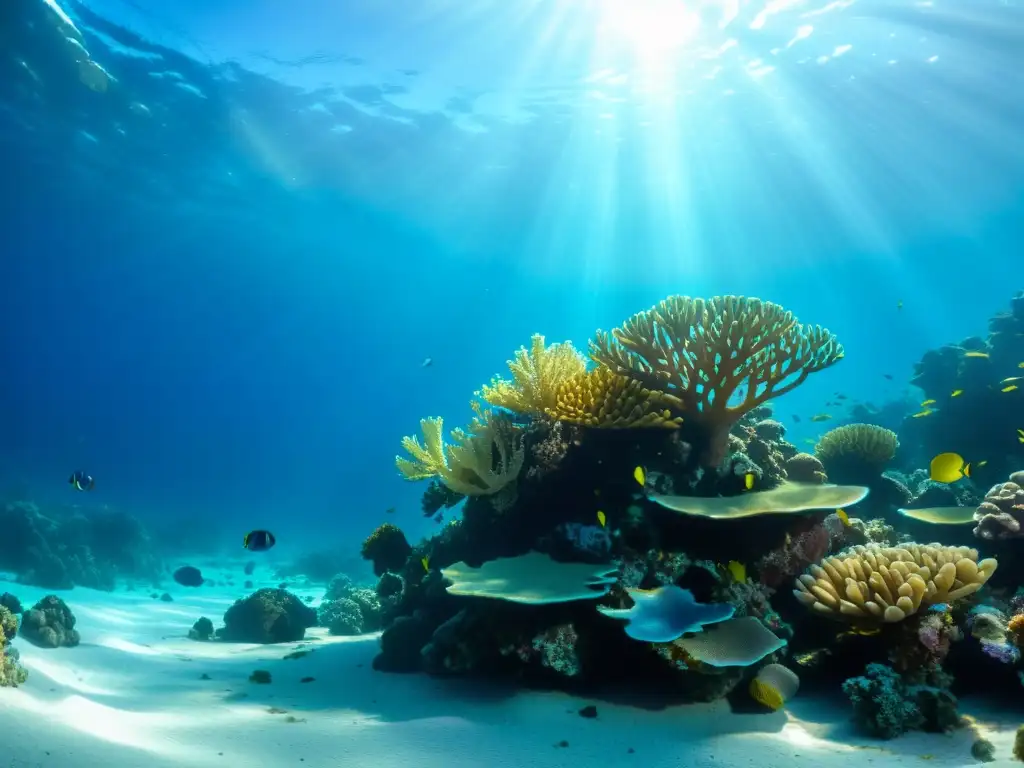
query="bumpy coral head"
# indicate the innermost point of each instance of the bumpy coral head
(716, 359)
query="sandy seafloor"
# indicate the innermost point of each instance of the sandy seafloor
(134, 694)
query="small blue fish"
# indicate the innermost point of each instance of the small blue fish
(939, 608)
(258, 541)
(81, 481)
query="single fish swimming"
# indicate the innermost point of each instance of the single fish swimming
(258, 540)
(81, 481)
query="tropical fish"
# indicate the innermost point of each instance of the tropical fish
(859, 632)
(941, 515)
(640, 476)
(748, 480)
(887, 376)
(843, 517)
(948, 468)
(840, 396)
(389, 511)
(899, 304)
(188, 576)
(972, 353)
(928, 402)
(425, 561)
(1020, 435)
(602, 520)
(922, 414)
(1011, 379)
(980, 464)
(1020, 365)
(810, 441)
(821, 417)
(796, 418)
(427, 362)
(957, 393)
(1010, 388)
(738, 571)
(82, 481)
(258, 540)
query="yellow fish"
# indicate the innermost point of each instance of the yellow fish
(640, 476)
(738, 571)
(601, 519)
(1020, 365)
(1020, 435)
(1010, 388)
(976, 354)
(921, 414)
(748, 480)
(843, 517)
(860, 631)
(948, 468)
(957, 393)
(821, 417)
(928, 402)
(426, 563)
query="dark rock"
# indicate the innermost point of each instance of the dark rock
(50, 624)
(201, 630)
(267, 616)
(166, 598)
(11, 603)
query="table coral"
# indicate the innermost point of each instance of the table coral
(717, 359)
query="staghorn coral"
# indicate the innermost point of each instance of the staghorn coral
(716, 359)
(1000, 515)
(856, 453)
(873, 584)
(537, 375)
(467, 465)
(602, 398)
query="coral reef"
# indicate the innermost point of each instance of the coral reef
(350, 610)
(716, 359)
(1000, 514)
(884, 705)
(887, 584)
(59, 549)
(50, 624)
(856, 453)
(12, 674)
(267, 616)
(387, 548)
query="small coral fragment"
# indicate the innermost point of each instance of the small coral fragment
(537, 375)
(602, 398)
(716, 359)
(872, 584)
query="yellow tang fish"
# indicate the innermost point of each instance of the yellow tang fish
(640, 476)
(957, 393)
(1010, 388)
(748, 480)
(1020, 435)
(921, 414)
(928, 402)
(602, 520)
(425, 560)
(843, 517)
(1020, 365)
(976, 354)
(861, 631)
(948, 468)
(738, 571)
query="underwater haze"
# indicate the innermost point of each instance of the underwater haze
(247, 247)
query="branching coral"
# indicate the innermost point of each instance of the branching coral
(856, 453)
(873, 584)
(479, 462)
(537, 374)
(717, 358)
(602, 398)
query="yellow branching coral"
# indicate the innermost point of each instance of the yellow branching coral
(716, 359)
(873, 584)
(537, 374)
(865, 444)
(602, 398)
(478, 462)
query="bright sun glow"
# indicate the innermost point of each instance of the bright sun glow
(652, 27)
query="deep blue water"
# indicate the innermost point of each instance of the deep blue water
(220, 307)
